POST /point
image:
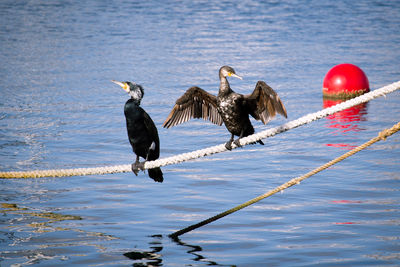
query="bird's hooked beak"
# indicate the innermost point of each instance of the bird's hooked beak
(123, 85)
(231, 74)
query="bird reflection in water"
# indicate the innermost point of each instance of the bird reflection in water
(148, 258)
(346, 120)
(153, 257)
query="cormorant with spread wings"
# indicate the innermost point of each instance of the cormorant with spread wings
(231, 108)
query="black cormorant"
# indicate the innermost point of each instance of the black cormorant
(142, 132)
(228, 107)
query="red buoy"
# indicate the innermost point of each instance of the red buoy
(345, 81)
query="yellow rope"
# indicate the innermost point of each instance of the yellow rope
(66, 172)
(381, 136)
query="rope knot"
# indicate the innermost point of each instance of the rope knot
(388, 132)
(384, 134)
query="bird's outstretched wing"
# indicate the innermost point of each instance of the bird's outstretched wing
(264, 103)
(194, 103)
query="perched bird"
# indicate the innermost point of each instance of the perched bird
(231, 108)
(142, 132)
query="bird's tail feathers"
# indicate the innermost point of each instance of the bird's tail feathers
(156, 174)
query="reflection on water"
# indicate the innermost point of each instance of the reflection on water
(148, 258)
(24, 220)
(345, 121)
(45, 225)
(194, 250)
(153, 257)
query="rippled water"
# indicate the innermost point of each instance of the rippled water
(58, 109)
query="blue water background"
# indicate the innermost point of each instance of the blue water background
(58, 109)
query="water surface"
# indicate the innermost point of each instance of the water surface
(58, 109)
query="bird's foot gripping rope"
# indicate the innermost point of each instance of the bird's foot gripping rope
(136, 167)
(211, 150)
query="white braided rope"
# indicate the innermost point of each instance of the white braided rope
(210, 150)
(273, 131)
